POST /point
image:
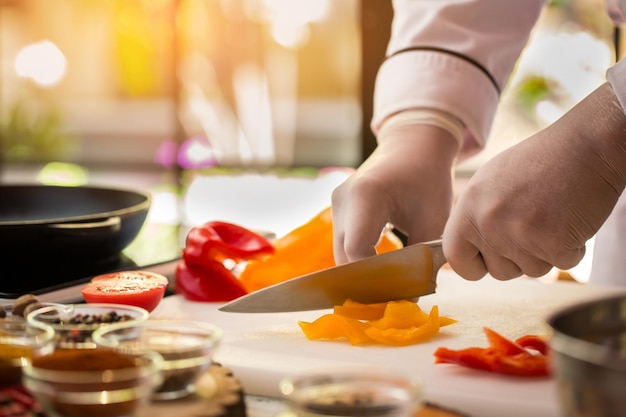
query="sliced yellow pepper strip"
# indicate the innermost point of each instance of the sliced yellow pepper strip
(332, 326)
(361, 311)
(408, 335)
(401, 315)
(446, 321)
(397, 323)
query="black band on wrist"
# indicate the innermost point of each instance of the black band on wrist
(456, 54)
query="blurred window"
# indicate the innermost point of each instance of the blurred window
(191, 83)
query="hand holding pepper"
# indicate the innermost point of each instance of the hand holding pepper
(202, 276)
(307, 248)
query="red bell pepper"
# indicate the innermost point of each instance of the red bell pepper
(221, 240)
(503, 356)
(214, 282)
(201, 274)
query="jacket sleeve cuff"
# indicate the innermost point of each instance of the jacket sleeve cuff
(426, 79)
(616, 76)
(424, 116)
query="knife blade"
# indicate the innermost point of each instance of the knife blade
(404, 273)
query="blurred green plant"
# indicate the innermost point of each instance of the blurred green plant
(558, 3)
(29, 137)
(529, 92)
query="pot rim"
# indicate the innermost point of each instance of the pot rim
(124, 211)
(569, 344)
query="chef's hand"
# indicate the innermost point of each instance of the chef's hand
(535, 205)
(406, 182)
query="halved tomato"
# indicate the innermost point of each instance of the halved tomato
(137, 288)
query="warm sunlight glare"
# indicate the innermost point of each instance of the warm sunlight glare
(290, 19)
(297, 11)
(43, 62)
(289, 35)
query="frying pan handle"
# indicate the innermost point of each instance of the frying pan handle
(109, 225)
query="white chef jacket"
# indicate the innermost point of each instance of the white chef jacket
(608, 265)
(456, 56)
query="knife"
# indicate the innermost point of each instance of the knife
(400, 274)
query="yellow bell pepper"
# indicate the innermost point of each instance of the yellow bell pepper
(307, 248)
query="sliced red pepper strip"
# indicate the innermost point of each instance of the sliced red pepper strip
(535, 342)
(212, 282)
(218, 240)
(19, 394)
(472, 357)
(16, 401)
(502, 356)
(501, 344)
(523, 364)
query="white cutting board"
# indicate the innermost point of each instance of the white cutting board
(263, 348)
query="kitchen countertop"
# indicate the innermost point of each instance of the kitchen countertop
(261, 349)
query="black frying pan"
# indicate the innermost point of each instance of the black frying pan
(39, 222)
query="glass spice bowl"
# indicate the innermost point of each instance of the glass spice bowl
(73, 324)
(359, 391)
(186, 347)
(92, 382)
(19, 342)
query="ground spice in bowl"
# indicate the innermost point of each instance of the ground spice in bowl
(92, 382)
(84, 360)
(352, 392)
(20, 342)
(186, 348)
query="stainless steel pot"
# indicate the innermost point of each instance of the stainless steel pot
(589, 357)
